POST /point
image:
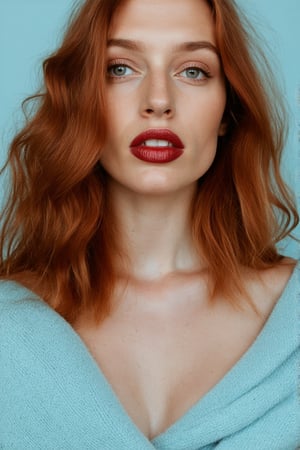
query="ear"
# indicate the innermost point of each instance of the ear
(222, 128)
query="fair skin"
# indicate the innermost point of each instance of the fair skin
(161, 95)
(163, 347)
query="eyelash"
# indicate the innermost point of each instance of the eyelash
(205, 72)
(115, 64)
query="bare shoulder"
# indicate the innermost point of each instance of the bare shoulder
(277, 277)
(267, 286)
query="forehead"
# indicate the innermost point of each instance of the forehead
(163, 19)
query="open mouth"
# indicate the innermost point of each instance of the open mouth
(157, 143)
(157, 146)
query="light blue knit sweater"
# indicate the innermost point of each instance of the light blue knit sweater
(54, 396)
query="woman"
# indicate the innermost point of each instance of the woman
(145, 209)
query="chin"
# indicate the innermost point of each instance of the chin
(154, 189)
(162, 188)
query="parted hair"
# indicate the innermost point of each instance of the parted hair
(59, 236)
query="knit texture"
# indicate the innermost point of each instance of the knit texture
(53, 395)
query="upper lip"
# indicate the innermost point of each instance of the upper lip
(157, 133)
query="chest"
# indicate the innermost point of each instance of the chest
(160, 364)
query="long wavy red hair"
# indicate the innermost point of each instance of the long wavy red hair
(58, 236)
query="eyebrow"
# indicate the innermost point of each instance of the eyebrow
(183, 46)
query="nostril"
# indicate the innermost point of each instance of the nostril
(154, 111)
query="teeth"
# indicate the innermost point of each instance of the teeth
(157, 143)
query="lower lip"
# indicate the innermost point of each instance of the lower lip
(156, 154)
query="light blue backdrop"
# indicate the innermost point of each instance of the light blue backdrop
(30, 29)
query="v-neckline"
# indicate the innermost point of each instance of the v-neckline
(217, 394)
(261, 378)
(236, 378)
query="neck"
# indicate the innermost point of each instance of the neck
(155, 233)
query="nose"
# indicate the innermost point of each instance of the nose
(157, 99)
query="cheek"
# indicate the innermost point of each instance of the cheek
(213, 116)
(207, 108)
(207, 130)
(216, 106)
(120, 99)
(119, 117)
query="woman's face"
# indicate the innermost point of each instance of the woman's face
(164, 78)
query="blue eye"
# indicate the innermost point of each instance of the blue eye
(119, 70)
(194, 73)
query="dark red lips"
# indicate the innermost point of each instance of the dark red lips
(152, 151)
